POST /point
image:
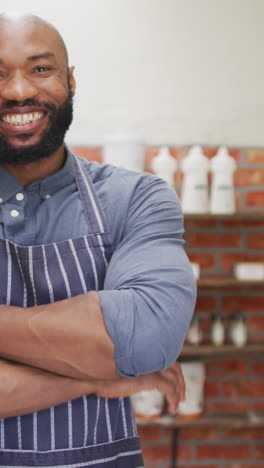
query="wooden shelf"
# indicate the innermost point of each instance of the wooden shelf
(219, 420)
(231, 351)
(227, 282)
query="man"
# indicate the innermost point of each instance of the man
(96, 290)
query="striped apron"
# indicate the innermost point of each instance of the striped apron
(88, 431)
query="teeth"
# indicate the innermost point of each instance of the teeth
(22, 119)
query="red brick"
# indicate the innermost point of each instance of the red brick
(223, 452)
(194, 466)
(239, 465)
(150, 466)
(92, 154)
(244, 177)
(255, 240)
(199, 223)
(157, 453)
(255, 198)
(168, 432)
(257, 339)
(255, 156)
(257, 368)
(258, 407)
(149, 433)
(259, 452)
(205, 260)
(162, 453)
(243, 223)
(226, 407)
(199, 433)
(211, 389)
(256, 323)
(254, 433)
(229, 259)
(178, 178)
(244, 389)
(205, 304)
(227, 368)
(237, 200)
(240, 303)
(199, 239)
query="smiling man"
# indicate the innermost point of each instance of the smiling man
(96, 290)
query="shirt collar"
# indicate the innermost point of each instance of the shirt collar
(9, 186)
(46, 187)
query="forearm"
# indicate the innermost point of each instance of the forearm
(25, 389)
(67, 337)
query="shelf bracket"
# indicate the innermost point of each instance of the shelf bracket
(175, 439)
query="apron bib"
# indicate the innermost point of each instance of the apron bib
(88, 431)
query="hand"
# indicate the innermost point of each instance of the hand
(170, 382)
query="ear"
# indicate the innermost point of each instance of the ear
(71, 79)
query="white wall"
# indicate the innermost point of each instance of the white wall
(177, 71)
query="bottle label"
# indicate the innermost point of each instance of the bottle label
(200, 187)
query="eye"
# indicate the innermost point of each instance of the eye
(42, 69)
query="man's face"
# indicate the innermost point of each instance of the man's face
(36, 90)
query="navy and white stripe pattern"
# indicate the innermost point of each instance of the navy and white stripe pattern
(89, 430)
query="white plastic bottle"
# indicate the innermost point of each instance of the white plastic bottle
(195, 183)
(222, 199)
(164, 165)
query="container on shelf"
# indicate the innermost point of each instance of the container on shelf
(248, 271)
(126, 151)
(196, 269)
(148, 404)
(223, 166)
(194, 376)
(194, 334)
(194, 194)
(238, 330)
(217, 331)
(164, 165)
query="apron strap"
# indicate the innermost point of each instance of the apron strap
(92, 207)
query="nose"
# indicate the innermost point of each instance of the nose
(18, 88)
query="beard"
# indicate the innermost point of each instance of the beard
(50, 140)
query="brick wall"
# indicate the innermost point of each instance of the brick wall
(235, 384)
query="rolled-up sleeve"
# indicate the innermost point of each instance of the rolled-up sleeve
(149, 291)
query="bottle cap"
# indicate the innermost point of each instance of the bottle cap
(222, 161)
(195, 160)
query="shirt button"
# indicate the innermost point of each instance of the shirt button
(14, 213)
(20, 196)
(47, 196)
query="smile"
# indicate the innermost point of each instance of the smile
(22, 119)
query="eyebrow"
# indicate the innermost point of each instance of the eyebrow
(31, 58)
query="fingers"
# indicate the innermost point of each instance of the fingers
(172, 381)
(169, 389)
(181, 380)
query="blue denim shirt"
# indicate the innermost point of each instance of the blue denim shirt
(149, 292)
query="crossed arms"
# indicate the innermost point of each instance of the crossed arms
(94, 342)
(34, 336)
